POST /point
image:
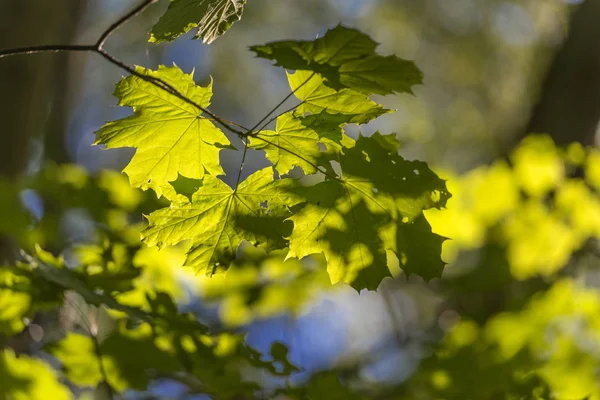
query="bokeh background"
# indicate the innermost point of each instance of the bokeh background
(526, 222)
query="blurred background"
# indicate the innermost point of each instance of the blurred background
(520, 293)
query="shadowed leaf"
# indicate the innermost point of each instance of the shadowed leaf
(346, 58)
(212, 18)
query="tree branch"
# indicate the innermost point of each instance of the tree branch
(46, 49)
(568, 107)
(98, 48)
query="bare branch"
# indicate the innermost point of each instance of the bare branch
(46, 49)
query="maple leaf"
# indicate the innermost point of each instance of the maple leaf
(346, 58)
(29, 378)
(376, 205)
(219, 218)
(337, 222)
(127, 356)
(295, 141)
(169, 134)
(212, 18)
(317, 97)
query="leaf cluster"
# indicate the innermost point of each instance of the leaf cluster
(355, 201)
(371, 204)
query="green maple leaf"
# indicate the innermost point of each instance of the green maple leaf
(375, 206)
(15, 301)
(75, 352)
(219, 218)
(411, 185)
(169, 134)
(25, 378)
(346, 58)
(295, 141)
(317, 97)
(328, 126)
(125, 360)
(337, 222)
(212, 18)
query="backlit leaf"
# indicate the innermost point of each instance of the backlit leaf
(169, 134)
(316, 97)
(125, 360)
(374, 206)
(218, 218)
(25, 378)
(295, 141)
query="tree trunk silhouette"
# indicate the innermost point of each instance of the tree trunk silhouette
(31, 86)
(33, 98)
(569, 103)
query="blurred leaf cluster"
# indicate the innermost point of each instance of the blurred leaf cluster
(88, 311)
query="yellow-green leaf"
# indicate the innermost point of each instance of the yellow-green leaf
(169, 134)
(218, 218)
(295, 142)
(25, 378)
(374, 206)
(316, 97)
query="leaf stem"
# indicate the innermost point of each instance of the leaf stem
(255, 134)
(98, 353)
(279, 115)
(315, 166)
(92, 330)
(241, 165)
(281, 103)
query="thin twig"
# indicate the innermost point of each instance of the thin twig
(236, 124)
(98, 353)
(279, 115)
(121, 21)
(315, 166)
(113, 60)
(237, 182)
(167, 87)
(46, 49)
(255, 134)
(99, 49)
(92, 331)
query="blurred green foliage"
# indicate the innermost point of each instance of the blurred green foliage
(112, 317)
